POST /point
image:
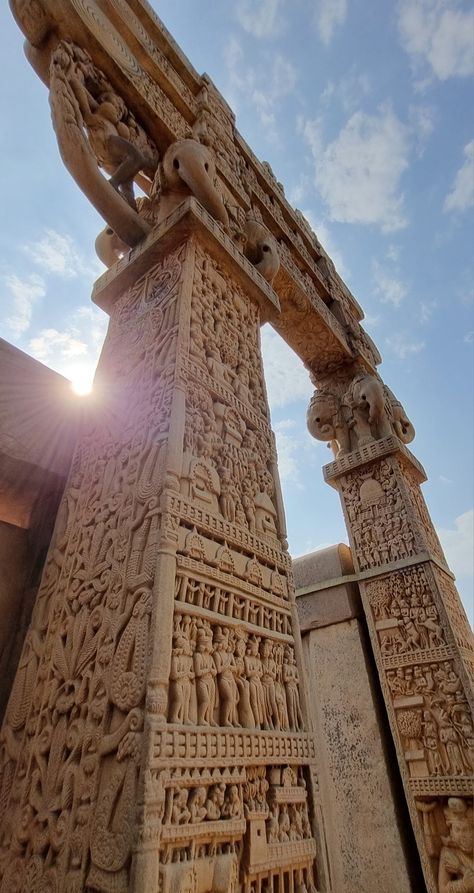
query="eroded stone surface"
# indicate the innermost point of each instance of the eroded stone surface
(142, 748)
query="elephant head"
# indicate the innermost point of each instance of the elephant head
(401, 424)
(109, 247)
(188, 169)
(261, 249)
(325, 422)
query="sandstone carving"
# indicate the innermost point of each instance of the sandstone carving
(99, 131)
(188, 168)
(366, 411)
(261, 249)
(156, 736)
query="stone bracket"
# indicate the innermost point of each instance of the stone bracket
(188, 218)
(371, 452)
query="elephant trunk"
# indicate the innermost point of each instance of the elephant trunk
(201, 186)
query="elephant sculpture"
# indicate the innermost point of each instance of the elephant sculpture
(109, 247)
(366, 399)
(326, 421)
(261, 249)
(401, 424)
(188, 168)
(367, 411)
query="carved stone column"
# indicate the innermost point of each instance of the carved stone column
(154, 738)
(422, 645)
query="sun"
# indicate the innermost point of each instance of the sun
(81, 378)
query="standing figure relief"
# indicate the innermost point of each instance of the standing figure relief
(226, 677)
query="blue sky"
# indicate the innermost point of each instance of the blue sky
(364, 110)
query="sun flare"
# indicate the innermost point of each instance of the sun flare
(81, 381)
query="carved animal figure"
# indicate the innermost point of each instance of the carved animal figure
(366, 398)
(109, 247)
(326, 421)
(188, 169)
(261, 249)
(402, 426)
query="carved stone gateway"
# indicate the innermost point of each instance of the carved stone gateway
(156, 737)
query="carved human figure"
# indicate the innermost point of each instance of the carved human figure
(232, 808)
(254, 672)
(284, 824)
(205, 672)
(269, 675)
(197, 805)
(114, 139)
(180, 814)
(246, 716)
(272, 826)
(110, 139)
(431, 744)
(181, 676)
(228, 495)
(451, 749)
(226, 684)
(280, 696)
(290, 680)
(215, 802)
(456, 863)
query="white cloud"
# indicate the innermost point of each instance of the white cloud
(25, 293)
(261, 18)
(469, 337)
(264, 86)
(348, 91)
(73, 351)
(402, 346)
(57, 255)
(393, 252)
(439, 35)
(422, 121)
(287, 445)
(391, 290)
(327, 241)
(286, 378)
(90, 320)
(461, 196)
(427, 309)
(329, 14)
(50, 342)
(457, 541)
(358, 173)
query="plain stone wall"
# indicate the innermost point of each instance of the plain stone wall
(366, 848)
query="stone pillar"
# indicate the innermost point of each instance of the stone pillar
(422, 646)
(363, 810)
(154, 737)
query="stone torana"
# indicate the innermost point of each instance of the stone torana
(158, 737)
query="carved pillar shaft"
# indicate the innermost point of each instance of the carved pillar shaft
(422, 645)
(154, 738)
